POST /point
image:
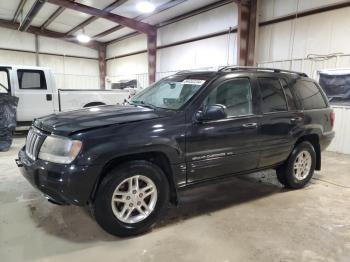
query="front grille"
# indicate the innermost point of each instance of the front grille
(34, 140)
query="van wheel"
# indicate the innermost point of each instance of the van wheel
(299, 168)
(131, 198)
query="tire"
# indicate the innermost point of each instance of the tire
(117, 180)
(290, 176)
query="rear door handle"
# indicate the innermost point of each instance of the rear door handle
(250, 125)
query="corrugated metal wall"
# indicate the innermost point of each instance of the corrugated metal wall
(341, 142)
(70, 72)
(308, 44)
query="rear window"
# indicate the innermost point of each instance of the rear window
(273, 99)
(310, 95)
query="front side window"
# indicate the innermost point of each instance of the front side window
(310, 95)
(168, 94)
(31, 79)
(234, 95)
(4, 84)
(273, 98)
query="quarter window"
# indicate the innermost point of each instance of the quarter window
(273, 98)
(310, 95)
(235, 95)
(31, 79)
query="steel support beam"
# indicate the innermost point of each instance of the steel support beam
(125, 21)
(247, 24)
(38, 31)
(158, 10)
(152, 56)
(52, 17)
(88, 21)
(38, 4)
(19, 10)
(102, 65)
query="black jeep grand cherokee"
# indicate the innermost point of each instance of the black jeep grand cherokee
(126, 162)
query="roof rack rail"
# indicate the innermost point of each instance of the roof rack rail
(275, 70)
(183, 71)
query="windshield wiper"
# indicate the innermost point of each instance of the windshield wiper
(144, 104)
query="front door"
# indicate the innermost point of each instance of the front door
(226, 146)
(35, 96)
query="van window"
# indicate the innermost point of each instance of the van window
(273, 98)
(310, 95)
(4, 84)
(235, 95)
(31, 79)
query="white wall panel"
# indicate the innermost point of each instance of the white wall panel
(341, 142)
(270, 9)
(136, 64)
(128, 45)
(128, 68)
(208, 53)
(72, 73)
(52, 45)
(16, 58)
(323, 34)
(213, 21)
(16, 40)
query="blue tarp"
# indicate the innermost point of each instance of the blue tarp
(8, 107)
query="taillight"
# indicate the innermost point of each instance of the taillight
(332, 118)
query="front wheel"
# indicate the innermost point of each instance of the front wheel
(131, 197)
(299, 168)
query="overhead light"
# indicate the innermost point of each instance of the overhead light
(145, 7)
(83, 38)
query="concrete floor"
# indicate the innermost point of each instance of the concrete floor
(246, 218)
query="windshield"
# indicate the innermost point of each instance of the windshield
(168, 94)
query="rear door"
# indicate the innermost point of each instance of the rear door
(280, 120)
(35, 95)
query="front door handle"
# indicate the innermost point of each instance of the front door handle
(296, 120)
(250, 125)
(48, 97)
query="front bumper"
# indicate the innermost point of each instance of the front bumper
(62, 184)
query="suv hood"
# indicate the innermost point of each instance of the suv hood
(69, 122)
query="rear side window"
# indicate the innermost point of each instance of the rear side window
(31, 79)
(310, 95)
(273, 99)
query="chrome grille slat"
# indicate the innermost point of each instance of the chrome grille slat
(33, 143)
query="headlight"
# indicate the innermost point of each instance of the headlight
(59, 149)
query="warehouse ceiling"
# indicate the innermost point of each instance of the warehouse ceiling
(69, 22)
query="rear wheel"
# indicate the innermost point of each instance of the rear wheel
(131, 197)
(298, 170)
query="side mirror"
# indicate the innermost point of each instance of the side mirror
(213, 112)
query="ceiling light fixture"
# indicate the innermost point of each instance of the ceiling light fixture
(145, 7)
(83, 38)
